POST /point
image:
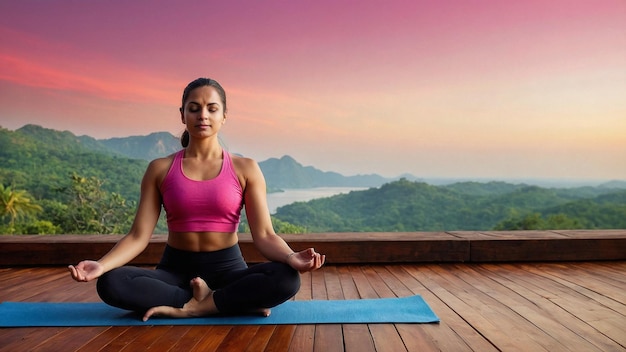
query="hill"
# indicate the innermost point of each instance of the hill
(288, 173)
(41, 160)
(59, 153)
(150, 147)
(415, 206)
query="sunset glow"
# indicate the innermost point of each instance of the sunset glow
(479, 88)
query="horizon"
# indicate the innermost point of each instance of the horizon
(434, 180)
(482, 90)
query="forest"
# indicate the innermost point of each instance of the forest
(416, 206)
(54, 182)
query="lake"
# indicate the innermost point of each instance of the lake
(278, 199)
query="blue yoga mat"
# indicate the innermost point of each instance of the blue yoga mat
(383, 310)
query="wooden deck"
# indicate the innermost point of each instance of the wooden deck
(484, 303)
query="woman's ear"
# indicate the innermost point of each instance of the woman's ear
(182, 116)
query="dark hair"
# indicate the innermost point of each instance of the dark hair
(197, 83)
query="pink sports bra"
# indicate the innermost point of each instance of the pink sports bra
(199, 206)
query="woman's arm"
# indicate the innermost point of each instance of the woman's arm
(137, 239)
(271, 246)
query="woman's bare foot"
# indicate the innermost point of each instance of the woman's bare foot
(200, 288)
(200, 304)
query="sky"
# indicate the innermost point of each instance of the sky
(496, 89)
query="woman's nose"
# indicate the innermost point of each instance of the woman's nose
(205, 114)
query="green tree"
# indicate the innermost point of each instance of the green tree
(39, 227)
(285, 227)
(535, 221)
(93, 210)
(16, 204)
(279, 226)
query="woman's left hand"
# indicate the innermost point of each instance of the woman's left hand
(306, 260)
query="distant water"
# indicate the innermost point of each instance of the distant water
(278, 199)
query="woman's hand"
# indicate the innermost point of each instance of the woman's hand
(306, 260)
(86, 270)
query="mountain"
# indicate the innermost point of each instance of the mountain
(280, 173)
(150, 147)
(288, 173)
(41, 160)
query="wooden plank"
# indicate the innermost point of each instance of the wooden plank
(361, 283)
(528, 307)
(102, 339)
(348, 287)
(570, 249)
(306, 287)
(339, 248)
(213, 337)
(478, 313)
(261, 338)
(412, 335)
(500, 314)
(579, 282)
(616, 270)
(358, 338)
(328, 338)
(594, 311)
(318, 285)
(540, 291)
(416, 339)
(352, 248)
(384, 336)
(346, 248)
(378, 284)
(123, 340)
(332, 283)
(238, 338)
(146, 339)
(170, 338)
(281, 338)
(68, 339)
(602, 233)
(303, 338)
(190, 338)
(602, 286)
(24, 339)
(453, 333)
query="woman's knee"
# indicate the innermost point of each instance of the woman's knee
(110, 287)
(288, 280)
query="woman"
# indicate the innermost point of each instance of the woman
(203, 190)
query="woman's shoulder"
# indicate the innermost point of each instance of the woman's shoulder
(245, 166)
(243, 162)
(160, 166)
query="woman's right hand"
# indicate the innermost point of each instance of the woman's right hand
(86, 270)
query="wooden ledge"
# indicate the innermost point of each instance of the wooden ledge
(353, 248)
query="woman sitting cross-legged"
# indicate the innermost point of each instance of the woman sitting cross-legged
(203, 190)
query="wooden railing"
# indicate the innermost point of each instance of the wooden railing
(354, 248)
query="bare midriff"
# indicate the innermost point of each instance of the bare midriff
(201, 241)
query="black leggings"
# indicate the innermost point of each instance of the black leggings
(237, 287)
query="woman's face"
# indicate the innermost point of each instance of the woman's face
(203, 112)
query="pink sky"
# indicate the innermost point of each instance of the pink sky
(477, 88)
